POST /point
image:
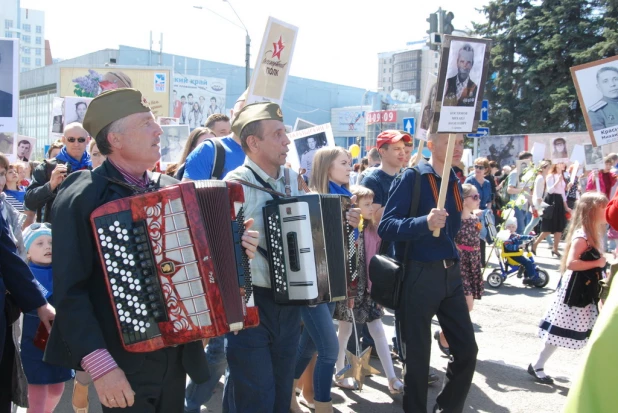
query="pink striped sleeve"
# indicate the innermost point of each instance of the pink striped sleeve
(98, 363)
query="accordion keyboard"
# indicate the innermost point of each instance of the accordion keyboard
(277, 256)
(137, 298)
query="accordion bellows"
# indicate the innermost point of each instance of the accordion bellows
(175, 268)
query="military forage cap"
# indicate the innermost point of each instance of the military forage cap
(255, 112)
(112, 105)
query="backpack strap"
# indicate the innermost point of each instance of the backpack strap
(219, 159)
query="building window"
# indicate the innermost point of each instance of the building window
(8, 24)
(37, 52)
(27, 28)
(38, 40)
(436, 65)
(26, 50)
(25, 39)
(8, 34)
(38, 61)
(390, 60)
(390, 70)
(25, 60)
(39, 29)
(384, 70)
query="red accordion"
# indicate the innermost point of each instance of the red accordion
(175, 268)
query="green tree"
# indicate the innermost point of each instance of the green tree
(535, 43)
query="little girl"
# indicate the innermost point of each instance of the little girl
(45, 382)
(365, 309)
(564, 325)
(469, 246)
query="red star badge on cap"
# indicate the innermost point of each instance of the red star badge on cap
(278, 46)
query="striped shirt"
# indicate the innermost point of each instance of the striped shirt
(142, 183)
(15, 198)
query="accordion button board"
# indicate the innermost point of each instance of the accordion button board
(136, 294)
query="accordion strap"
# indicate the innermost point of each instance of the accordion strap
(266, 187)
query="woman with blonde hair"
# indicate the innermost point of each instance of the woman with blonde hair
(330, 174)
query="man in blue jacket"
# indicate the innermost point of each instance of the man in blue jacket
(432, 284)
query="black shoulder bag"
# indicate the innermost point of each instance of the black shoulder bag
(219, 159)
(387, 273)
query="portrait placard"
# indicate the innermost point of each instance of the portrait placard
(596, 84)
(594, 157)
(9, 86)
(429, 106)
(75, 109)
(305, 144)
(461, 81)
(559, 152)
(24, 148)
(173, 142)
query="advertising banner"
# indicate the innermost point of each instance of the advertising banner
(195, 98)
(9, 94)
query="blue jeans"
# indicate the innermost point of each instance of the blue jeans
(198, 394)
(523, 217)
(529, 270)
(531, 225)
(318, 334)
(261, 359)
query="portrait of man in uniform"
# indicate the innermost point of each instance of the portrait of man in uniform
(307, 147)
(604, 113)
(6, 79)
(460, 89)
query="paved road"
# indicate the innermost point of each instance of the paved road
(505, 322)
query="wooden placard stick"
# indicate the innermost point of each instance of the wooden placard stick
(419, 153)
(446, 173)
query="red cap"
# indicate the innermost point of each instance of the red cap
(393, 136)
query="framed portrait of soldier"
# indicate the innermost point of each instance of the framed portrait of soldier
(461, 80)
(597, 92)
(429, 106)
(75, 109)
(594, 157)
(559, 152)
(305, 143)
(24, 148)
(9, 85)
(173, 142)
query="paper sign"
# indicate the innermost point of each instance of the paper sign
(272, 68)
(538, 152)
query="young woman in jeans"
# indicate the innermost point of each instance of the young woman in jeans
(330, 174)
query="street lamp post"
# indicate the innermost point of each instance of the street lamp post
(248, 46)
(247, 39)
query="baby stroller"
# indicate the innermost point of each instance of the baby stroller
(509, 267)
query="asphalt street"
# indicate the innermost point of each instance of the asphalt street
(505, 322)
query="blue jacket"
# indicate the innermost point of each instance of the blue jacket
(16, 277)
(396, 226)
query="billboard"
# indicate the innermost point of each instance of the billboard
(195, 98)
(154, 83)
(9, 94)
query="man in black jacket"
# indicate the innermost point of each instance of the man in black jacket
(49, 175)
(85, 335)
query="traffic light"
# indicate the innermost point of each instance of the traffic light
(433, 23)
(447, 22)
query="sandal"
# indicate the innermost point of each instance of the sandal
(80, 409)
(544, 380)
(395, 386)
(305, 403)
(341, 383)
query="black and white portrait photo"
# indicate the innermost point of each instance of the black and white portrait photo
(173, 142)
(75, 109)
(307, 147)
(429, 106)
(463, 71)
(594, 157)
(305, 143)
(559, 150)
(597, 89)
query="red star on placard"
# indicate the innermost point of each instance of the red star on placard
(278, 46)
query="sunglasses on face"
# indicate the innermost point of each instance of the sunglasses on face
(481, 167)
(80, 140)
(474, 197)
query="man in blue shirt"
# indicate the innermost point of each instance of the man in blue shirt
(391, 144)
(200, 166)
(432, 284)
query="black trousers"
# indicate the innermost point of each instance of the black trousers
(159, 385)
(430, 289)
(6, 371)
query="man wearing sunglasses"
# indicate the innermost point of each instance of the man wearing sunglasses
(48, 176)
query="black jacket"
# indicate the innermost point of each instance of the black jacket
(16, 277)
(84, 315)
(39, 195)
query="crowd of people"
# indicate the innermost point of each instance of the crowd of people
(114, 152)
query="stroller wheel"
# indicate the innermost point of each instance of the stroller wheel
(543, 279)
(495, 279)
